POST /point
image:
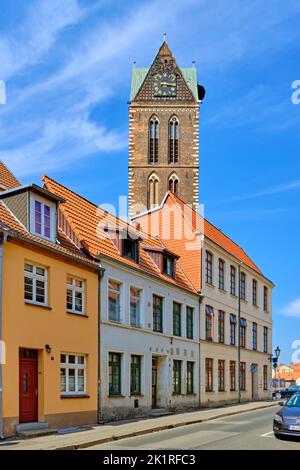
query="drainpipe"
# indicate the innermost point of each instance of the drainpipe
(199, 339)
(99, 400)
(3, 239)
(239, 334)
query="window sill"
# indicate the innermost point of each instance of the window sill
(212, 286)
(83, 395)
(174, 394)
(234, 296)
(116, 396)
(136, 395)
(255, 306)
(192, 394)
(245, 301)
(32, 304)
(223, 290)
(70, 312)
(209, 391)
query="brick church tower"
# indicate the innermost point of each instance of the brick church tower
(163, 133)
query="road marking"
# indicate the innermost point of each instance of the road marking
(267, 434)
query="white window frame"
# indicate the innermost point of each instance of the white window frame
(44, 202)
(121, 300)
(67, 366)
(140, 291)
(36, 277)
(75, 289)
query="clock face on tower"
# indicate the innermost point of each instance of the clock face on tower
(165, 84)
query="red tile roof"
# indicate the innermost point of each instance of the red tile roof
(7, 179)
(188, 244)
(88, 223)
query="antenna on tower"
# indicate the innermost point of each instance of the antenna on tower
(164, 37)
(134, 62)
(193, 63)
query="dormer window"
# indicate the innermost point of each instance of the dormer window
(130, 249)
(168, 266)
(42, 219)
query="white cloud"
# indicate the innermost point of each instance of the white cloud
(292, 309)
(44, 22)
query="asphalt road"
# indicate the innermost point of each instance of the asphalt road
(246, 431)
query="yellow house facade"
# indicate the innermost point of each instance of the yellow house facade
(49, 319)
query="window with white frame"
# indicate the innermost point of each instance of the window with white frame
(72, 374)
(114, 301)
(42, 219)
(75, 295)
(135, 306)
(35, 284)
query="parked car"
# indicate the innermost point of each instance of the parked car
(286, 392)
(286, 422)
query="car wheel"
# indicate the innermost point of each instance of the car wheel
(278, 395)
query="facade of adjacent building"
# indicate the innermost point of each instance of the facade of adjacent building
(149, 346)
(49, 315)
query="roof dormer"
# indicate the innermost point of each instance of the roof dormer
(36, 208)
(164, 259)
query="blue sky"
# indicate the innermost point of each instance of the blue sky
(67, 68)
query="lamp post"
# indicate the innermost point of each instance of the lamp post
(277, 354)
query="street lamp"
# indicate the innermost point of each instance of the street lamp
(277, 354)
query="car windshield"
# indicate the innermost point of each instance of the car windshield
(294, 387)
(294, 401)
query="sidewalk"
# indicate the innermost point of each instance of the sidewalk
(101, 434)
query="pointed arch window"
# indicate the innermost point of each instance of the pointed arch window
(153, 139)
(153, 191)
(173, 184)
(173, 140)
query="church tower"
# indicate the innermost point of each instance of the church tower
(163, 133)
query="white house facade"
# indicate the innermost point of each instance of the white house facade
(149, 347)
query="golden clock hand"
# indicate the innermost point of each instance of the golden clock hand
(167, 84)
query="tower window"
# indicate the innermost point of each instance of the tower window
(173, 184)
(173, 140)
(152, 191)
(153, 139)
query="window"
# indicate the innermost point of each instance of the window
(152, 191)
(153, 139)
(254, 336)
(176, 319)
(114, 367)
(35, 284)
(130, 249)
(114, 301)
(221, 274)
(173, 140)
(209, 268)
(42, 219)
(189, 322)
(209, 374)
(168, 266)
(173, 184)
(265, 299)
(177, 377)
(243, 326)
(135, 306)
(266, 378)
(72, 374)
(232, 372)
(157, 314)
(209, 323)
(221, 326)
(232, 280)
(243, 286)
(75, 295)
(135, 384)
(189, 378)
(232, 329)
(265, 339)
(254, 292)
(221, 375)
(243, 376)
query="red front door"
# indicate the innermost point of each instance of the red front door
(28, 383)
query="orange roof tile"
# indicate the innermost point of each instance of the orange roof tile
(88, 223)
(192, 226)
(7, 179)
